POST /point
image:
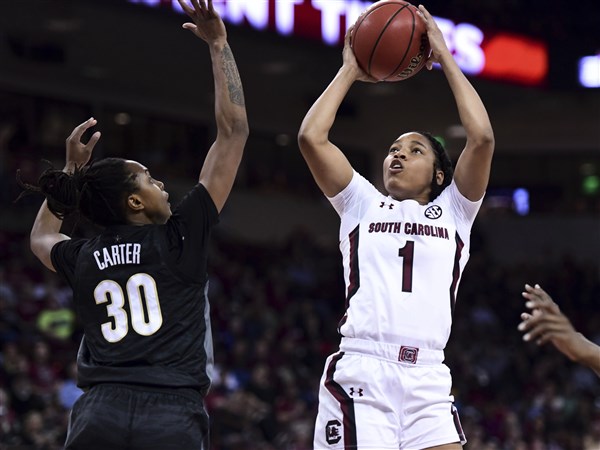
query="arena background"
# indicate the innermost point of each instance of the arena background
(276, 286)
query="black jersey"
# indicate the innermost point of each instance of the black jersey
(141, 294)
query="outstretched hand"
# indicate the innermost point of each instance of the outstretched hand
(435, 37)
(546, 323)
(78, 153)
(207, 24)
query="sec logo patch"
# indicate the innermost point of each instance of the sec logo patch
(433, 212)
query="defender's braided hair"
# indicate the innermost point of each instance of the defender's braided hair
(98, 191)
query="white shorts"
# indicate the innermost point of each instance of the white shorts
(382, 396)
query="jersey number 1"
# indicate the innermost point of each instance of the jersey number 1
(407, 253)
(141, 287)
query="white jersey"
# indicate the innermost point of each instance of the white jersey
(402, 263)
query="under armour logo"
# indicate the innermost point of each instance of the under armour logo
(390, 206)
(433, 212)
(117, 238)
(358, 391)
(332, 432)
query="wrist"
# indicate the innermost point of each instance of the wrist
(445, 58)
(349, 73)
(218, 44)
(588, 351)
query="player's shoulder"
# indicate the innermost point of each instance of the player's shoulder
(455, 203)
(359, 184)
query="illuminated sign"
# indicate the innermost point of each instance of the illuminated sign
(504, 56)
(589, 71)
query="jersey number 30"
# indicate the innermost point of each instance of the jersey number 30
(141, 291)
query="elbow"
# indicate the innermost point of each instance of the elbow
(34, 246)
(484, 140)
(305, 142)
(238, 130)
(308, 138)
(488, 138)
(242, 129)
(303, 139)
(307, 133)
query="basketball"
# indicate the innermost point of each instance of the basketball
(390, 41)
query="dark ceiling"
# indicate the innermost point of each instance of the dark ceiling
(130, 56)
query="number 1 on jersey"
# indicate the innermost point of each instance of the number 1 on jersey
(406, 253)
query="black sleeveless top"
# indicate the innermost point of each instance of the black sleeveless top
(140, 293)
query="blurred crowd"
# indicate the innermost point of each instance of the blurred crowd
(275, 313)
(275, 310)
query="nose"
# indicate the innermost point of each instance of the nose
(399, 154)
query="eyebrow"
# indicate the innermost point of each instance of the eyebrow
(412, 142)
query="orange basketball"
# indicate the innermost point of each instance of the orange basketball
(390, 41)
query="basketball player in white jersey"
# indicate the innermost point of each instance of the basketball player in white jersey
(403, 256)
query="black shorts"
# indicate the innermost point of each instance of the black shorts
(114, 416)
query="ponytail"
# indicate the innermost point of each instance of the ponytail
(98, 191)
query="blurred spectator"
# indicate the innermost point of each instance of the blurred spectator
(36, 434)
(54, 321)
(68, 392)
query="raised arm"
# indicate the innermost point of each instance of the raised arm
(546, 323)
(45, 232)
(223, 159)
(472, 171)
(330, 167)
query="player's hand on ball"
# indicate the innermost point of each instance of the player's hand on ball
(350, 61)
(436, 38)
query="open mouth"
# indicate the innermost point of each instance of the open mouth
(396, 166)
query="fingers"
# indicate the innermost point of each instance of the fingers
(186, 8)
(426, 15)
(200, 6)
(423, 11)
(543, 326)
(538, 299)
(536, 293)
(190, 26)
(81, 128)
(542, 306)
(93, 141)
(542, 333)
(348, 36)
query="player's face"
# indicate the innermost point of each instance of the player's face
(151, 195)
(409, 168)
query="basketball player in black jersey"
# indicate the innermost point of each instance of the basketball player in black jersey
(140, 287)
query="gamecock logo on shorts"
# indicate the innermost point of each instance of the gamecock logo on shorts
(408, 354)
(332, 432)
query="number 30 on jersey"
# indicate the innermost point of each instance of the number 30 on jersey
(141, 287)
